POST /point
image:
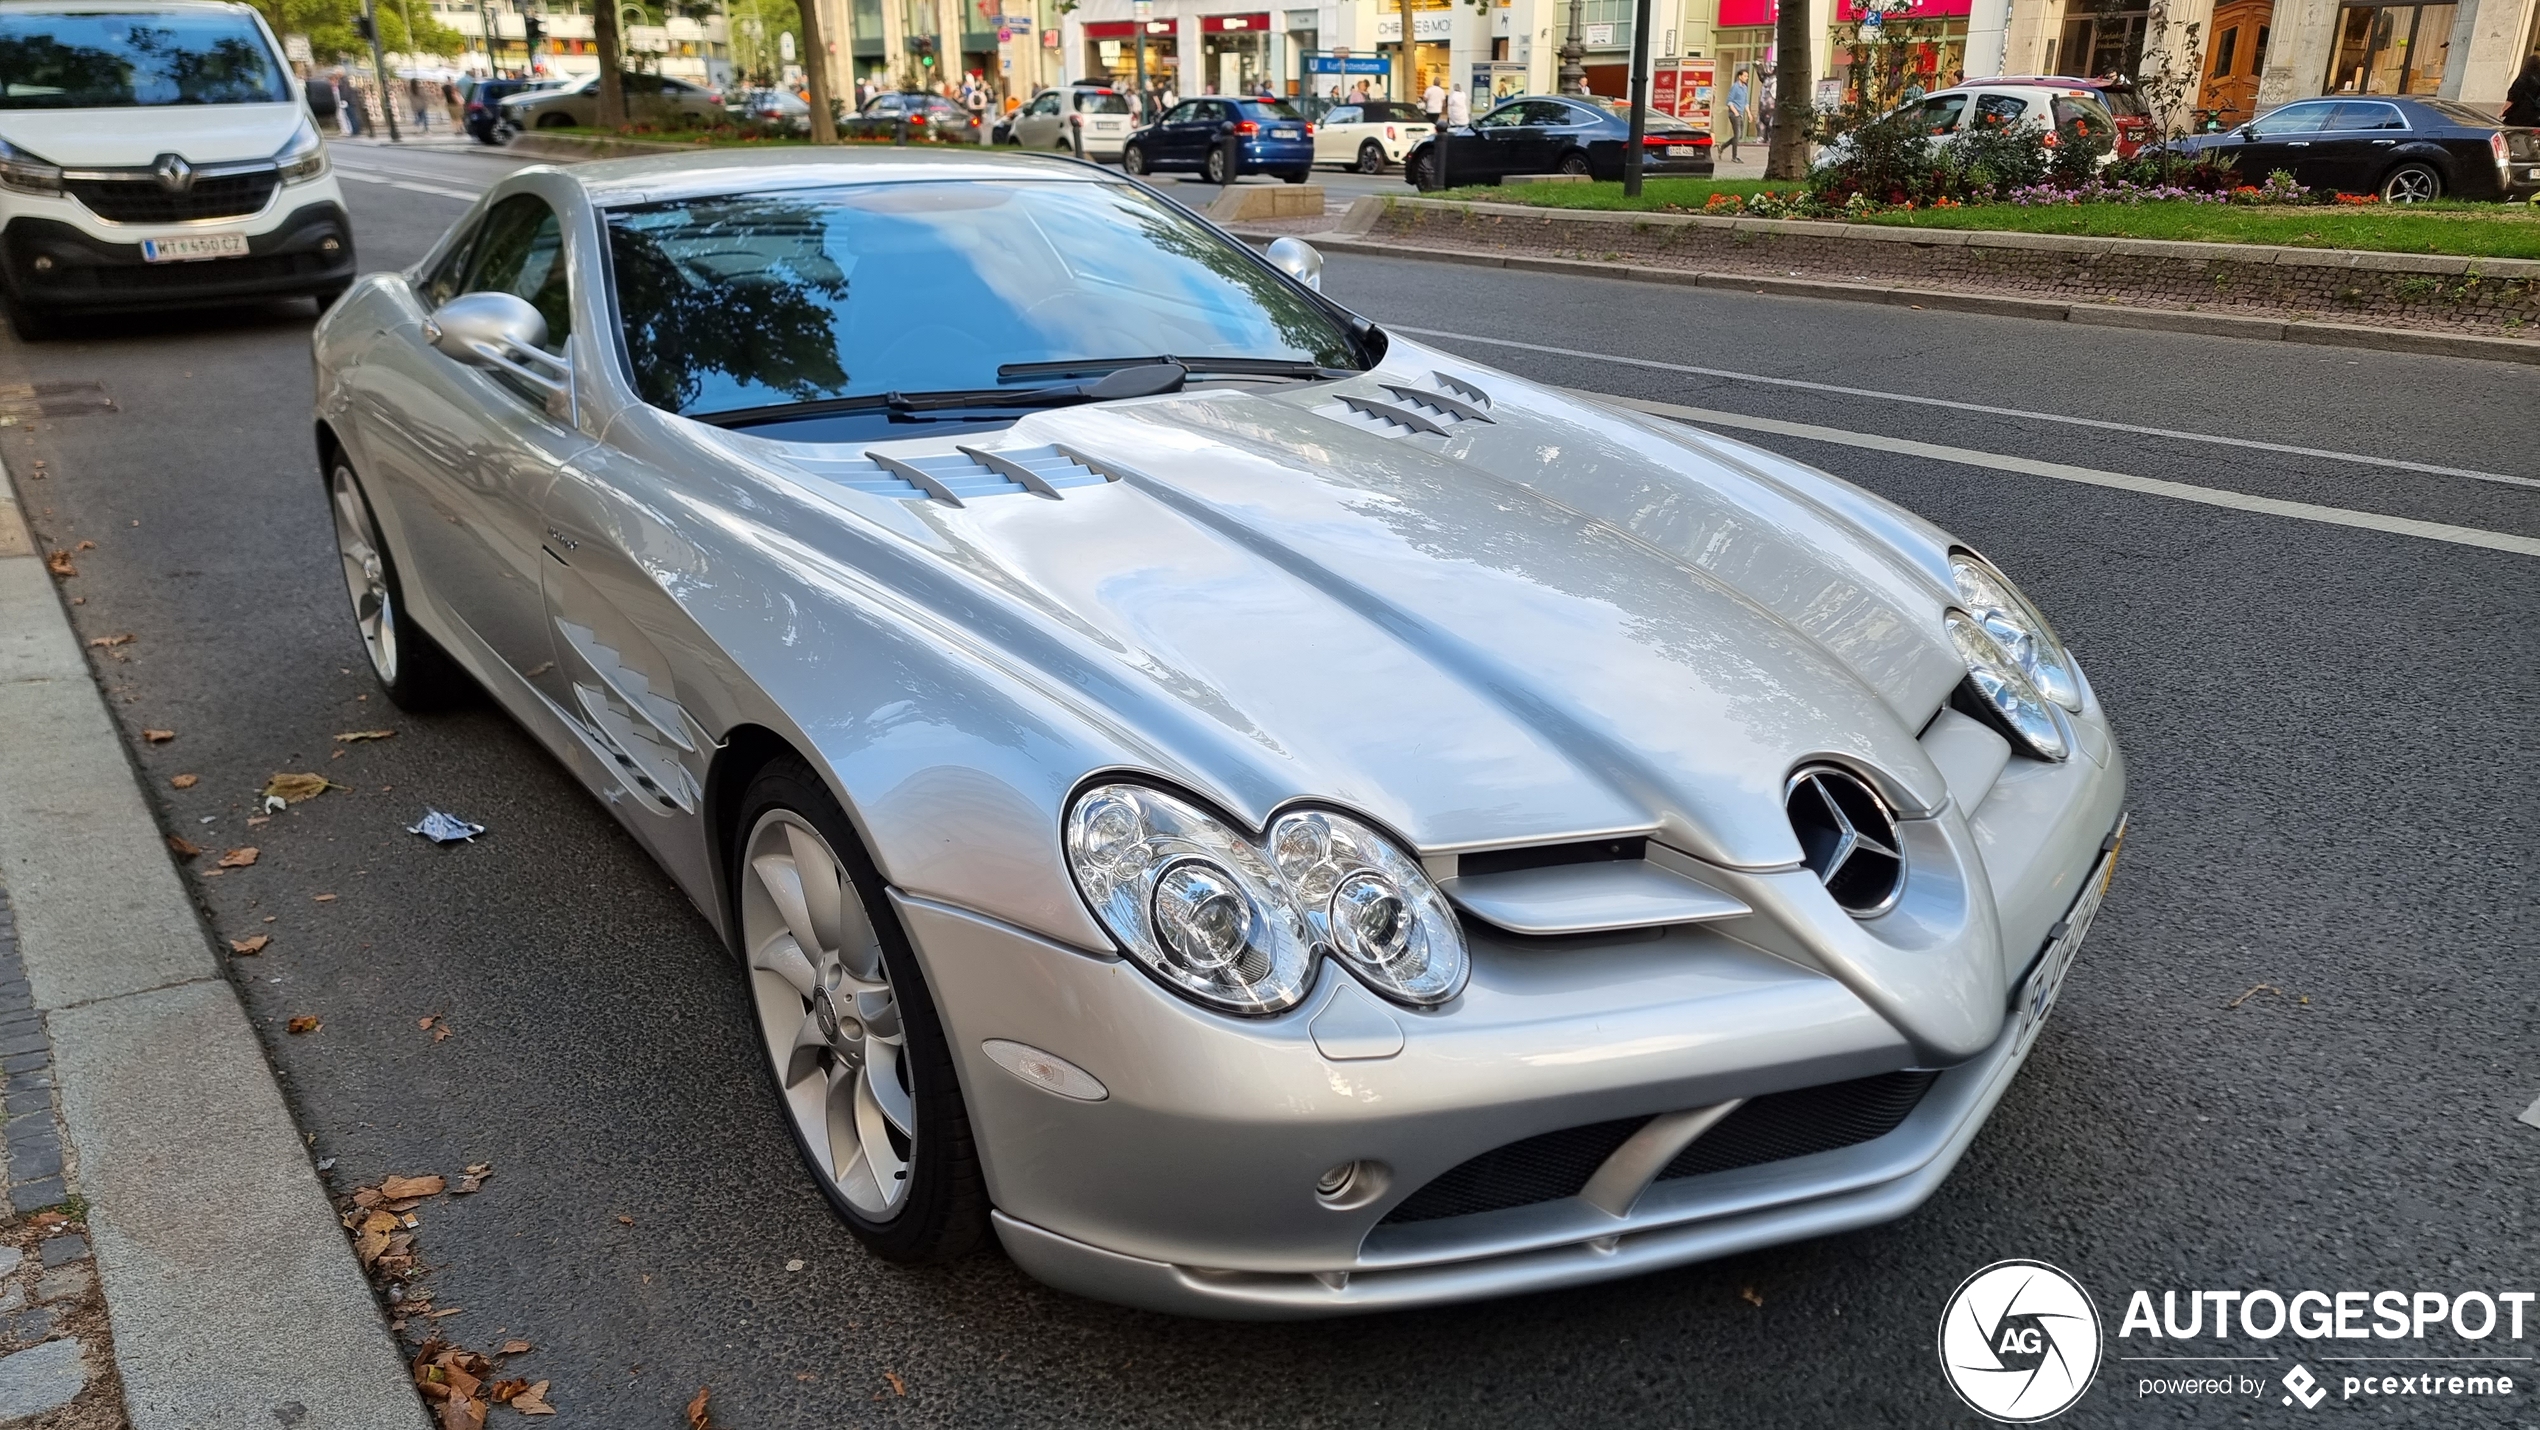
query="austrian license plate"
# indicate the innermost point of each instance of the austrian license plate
(193, 246)
(1679, 151)
(1285, 134)
(2038, 999)
(1106, 126)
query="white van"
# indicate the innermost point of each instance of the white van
(155, 154)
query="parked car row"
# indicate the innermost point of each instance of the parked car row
(2405, 149)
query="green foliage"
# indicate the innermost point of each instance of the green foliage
(756, 50)
(406, 27)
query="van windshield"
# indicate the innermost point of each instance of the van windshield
(123, 60)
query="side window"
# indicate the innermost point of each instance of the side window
(887, 104)
(443, 284)
(1346, 114)
(1507, 116)
(1045, 105)
(2080, 116)
(1183, 114)
(2295, 119)
(1999, 111)
(1574, 114)
(1942, 112)
(520, 251)
(2366, 116)
(1546, 111)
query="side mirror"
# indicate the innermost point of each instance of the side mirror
(501, 332)
(1298, 259)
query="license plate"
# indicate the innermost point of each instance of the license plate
(193, 246)
(1284, 134)
(1679, 151)
(2048, 980)
(1106, 126)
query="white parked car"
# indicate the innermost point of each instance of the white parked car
(1369, 137)
(1980, 106)
(1089, 121)
(158, 154)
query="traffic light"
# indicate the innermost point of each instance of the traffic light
(531, 31)
(362, 27)
(924, 45)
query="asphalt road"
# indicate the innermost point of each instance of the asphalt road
(2330, 732)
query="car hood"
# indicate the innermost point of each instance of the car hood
(134, 135)
(1557, 623)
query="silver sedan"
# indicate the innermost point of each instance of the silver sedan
(1259, 816)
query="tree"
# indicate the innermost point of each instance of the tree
(605, 39)
(329, 26)
(1793, 102)
(824, 124)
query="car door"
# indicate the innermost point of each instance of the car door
(1175, 142)
(1037, 127)
(1335, 139)
(1552, 129)
(1500, 135)
(2354, 146)
(471, 451)
(2281, 140)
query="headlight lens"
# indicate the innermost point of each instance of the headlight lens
(1372, 904)
(28, 174)
(1189, 899)
(304, 158)
(2018, 627)
(2005, 689)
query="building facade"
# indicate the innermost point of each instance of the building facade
(698, 50)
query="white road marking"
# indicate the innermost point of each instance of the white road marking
(346, 171)
(1801, 383)
(2120, 481)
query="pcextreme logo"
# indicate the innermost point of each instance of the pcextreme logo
(2019, 1342)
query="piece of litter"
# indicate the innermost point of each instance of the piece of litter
(2531, 1114)
(444, 829)
(326, 1164)
(275, 803)
(794, 1265)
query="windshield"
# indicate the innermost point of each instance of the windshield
(101, 61)
(1101, 102)
(1654, 122)
(746, 301)
(1266, 109)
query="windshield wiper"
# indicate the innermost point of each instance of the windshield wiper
(1196, 366)
(1146, 377)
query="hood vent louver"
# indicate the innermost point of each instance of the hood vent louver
(1431, 409)
(961, 476)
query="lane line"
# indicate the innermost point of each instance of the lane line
(2087, 476)
(2100, 423)
(346, 171)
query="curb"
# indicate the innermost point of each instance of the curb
(2343, 335)
(233, 1296)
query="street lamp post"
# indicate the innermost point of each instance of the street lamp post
(1574, 51)
(1632, 151)
(379, 70)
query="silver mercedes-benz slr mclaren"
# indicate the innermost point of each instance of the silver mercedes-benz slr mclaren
(1272, 819)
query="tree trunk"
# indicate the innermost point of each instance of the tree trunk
(824, 128)
(604, 38)
(1793, 112)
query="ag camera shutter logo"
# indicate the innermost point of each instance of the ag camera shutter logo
(2019, 1342)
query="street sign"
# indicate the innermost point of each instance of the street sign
(1142, 10)
(1343, 64)
(295, 48)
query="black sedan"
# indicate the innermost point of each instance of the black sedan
(2404, 149)
(911, 117)
(1560, 134)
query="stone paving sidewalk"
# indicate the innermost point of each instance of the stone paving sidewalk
(56, 1354)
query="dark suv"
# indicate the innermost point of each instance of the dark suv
(485, 98)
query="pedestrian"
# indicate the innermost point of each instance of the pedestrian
(1433, 99)
(1738, 97)
(355, 108)
(321, 93)
(452, 102)
(1359, 95)
(2522, 100)
(1459, 110)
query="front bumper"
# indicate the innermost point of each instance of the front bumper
(62, 266)
(1191, 1187)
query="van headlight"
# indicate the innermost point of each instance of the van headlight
(304, 158)
(26, 173)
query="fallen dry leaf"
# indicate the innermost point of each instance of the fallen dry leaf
(239, 858)
(155, 737)
(898, 1386)
(382, 1222)
(514, 1348)
(185, 781)
(699, 1417)
(291, 788)
(321, 898)
(445, 1311)
(369, 1244)
(183, 847)
(59, 563)
(462, 1412)
(85, 546)
(257, 820)
(427, 1020)
(109, 643)
(533, 1401)
(473, 1180)
(502, 1392)
(349, 737)
(1752, 1296)
(49, 1219)
(400, 1188)
(254, 944)
(626, 1221)
(305, 1023)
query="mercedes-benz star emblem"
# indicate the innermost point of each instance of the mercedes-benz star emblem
(174, 174)
(1847, 838)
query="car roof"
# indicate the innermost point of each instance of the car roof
(734, 171)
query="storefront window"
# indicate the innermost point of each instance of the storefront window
(2391, 49)
(1111, 54)
(1234, 53)
(2103, 37)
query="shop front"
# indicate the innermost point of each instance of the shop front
(1432, 28)
(1111, 53)
(2101, 37)
(1934, 33)
(2390, 49)
(1234, 54)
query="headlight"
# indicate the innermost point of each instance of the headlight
(1371, 904)
(304, 158)
(2005, 689)
(2018, 628)
(1189, 899)
(26, 173)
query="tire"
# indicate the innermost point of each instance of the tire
(1421, 168)
(1576, 163)
(1216, 166)
(1371, 158)
(912, 1196)
(1133, 161)
(552, 120)
(417, 674)
(2412, 183)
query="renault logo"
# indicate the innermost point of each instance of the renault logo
(174, 174)
(1847, 838)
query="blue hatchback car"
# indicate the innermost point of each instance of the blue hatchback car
(1269, 138)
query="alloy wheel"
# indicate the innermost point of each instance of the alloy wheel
(1371, 158)
(365, 573)
(1217, 166)
(2413, 183)
(828, 1014)
(1134, 159)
